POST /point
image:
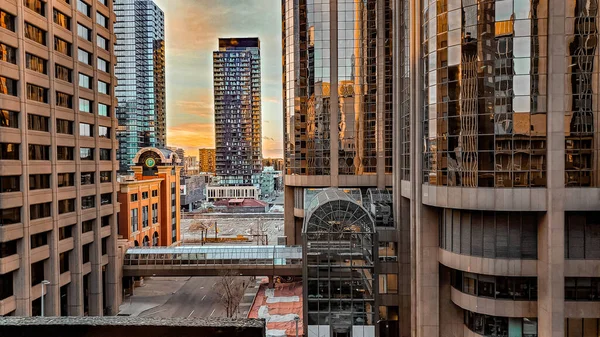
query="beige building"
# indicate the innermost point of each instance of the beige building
(496, 168)
(206, 160)
(58, 189)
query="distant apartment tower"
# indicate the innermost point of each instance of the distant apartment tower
(58, 190)
(140, 69)
(238, 130)
(206, 160)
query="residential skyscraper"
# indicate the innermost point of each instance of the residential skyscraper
(58, 186)
(496, 170)
(140, 69)
(237, 94)
(206, 160)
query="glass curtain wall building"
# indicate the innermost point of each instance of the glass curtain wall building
(496, 166)
(140, 69)
(238, 117)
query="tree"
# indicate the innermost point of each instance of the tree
(231, 291)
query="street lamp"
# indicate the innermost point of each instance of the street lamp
(296, 319)
(44, 284)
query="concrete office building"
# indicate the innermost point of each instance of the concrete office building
(58, 185)
(206, 160)
(337, 90)
(140, 68)
(238, 121)
(496, 166)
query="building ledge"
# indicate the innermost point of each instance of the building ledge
(485, 198)
(487, 266)
(582, 268)
(493, 307)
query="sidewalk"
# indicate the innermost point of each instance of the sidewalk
(154, 293)
(249, 295)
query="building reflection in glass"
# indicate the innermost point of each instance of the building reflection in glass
(485, 92)
(582, 84)
(339, 243)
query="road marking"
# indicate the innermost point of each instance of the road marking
(203, 298)
(190, 313)
(212, 312)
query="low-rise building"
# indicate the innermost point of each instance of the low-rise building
(150, 199)
(193, 190)
(218, 192)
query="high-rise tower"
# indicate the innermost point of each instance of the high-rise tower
(140, 69)
(58, 186)
(237, 93)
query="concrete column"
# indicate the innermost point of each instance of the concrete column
(451, 316)
(52, 271)
(427, 274)
(114, 268)
(288, 213)
(551, 229)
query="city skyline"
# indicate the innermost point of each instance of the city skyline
(189, 46)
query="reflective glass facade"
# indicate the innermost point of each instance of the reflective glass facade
(337, 86)
(340, 250)
(140, 70)
(485, 93)
(238, 120)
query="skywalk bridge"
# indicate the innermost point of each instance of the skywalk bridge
(213, 260)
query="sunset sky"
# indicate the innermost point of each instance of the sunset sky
(192, 30)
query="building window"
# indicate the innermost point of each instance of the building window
(9, 151)
(39, 211)
(102, 65)
(105, 199)
(6, 286)
(37, 93)
(134, 220)
(64, 152)
(8, 53)
(104, 2)
(87, 226)
(65, 179)
(9, 119)
(62, 46)
(66, 206)
(37, 123)
(8, 86)
(103, 87)
(84, 57)
(38, 240)
(85, 105)
(35, 34)
(155, 193)
(64, 100)
(155, 213)
(9, 216)
(7, 21)
(85, 251)
(85, 81)
(105, 154)
(104, 246)
(86, 130)
(64, 126)
(144, 216)
(8, 248)
(388, 284)
(63, 262)
(10, 184)
(39, 181)
(37, 6)
(84, 8)
(35, 63)
(84, 32)
(63, 73)
(102, 42)
(103, 132)
(103, 110)
(65, 232)
(87, 178)
(133, 197)
(582, 235)
(61, 19)
(388, 251)
(144, 195)
(86, 153)
(39, 152)
(105, 221)
(101, 20)
(37, 273)
(88, 202)
(105, 177)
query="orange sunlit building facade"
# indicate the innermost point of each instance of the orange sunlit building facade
(150, 206)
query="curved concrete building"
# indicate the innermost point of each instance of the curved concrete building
(496, 172)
